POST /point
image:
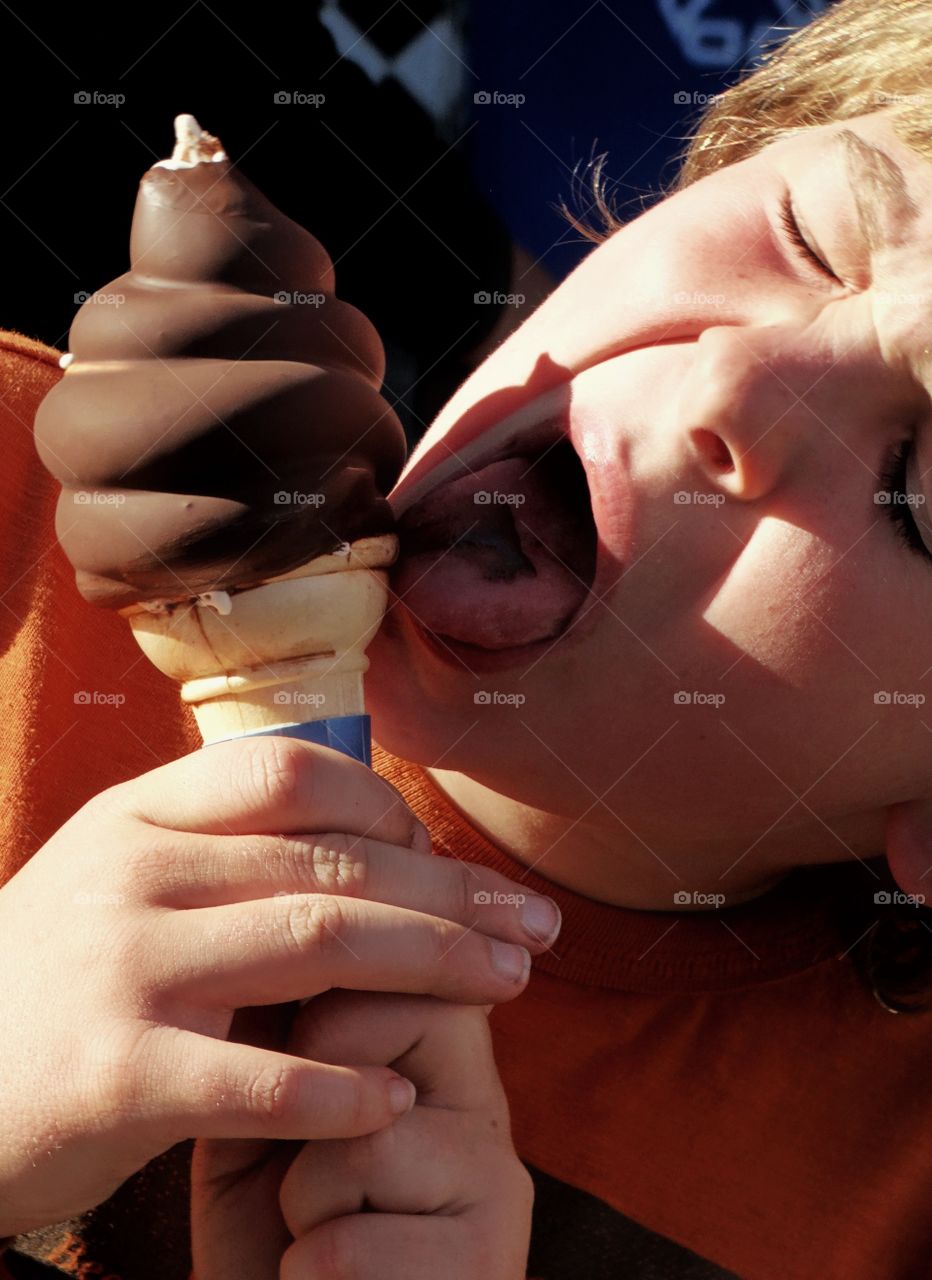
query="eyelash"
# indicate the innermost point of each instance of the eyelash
(893, 482)
(795, 236)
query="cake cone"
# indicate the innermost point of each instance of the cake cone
(289, 652)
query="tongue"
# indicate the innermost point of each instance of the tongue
(500, 557)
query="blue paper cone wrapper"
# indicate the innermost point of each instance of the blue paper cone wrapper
(350, 734)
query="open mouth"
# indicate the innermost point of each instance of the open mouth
(502, 555)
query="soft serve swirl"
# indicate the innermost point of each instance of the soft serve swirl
(208, 434)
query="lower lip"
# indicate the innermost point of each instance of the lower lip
(470, 659)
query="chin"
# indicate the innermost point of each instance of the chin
(429, 720)
(405, 719)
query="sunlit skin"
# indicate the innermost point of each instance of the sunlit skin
(774, 397)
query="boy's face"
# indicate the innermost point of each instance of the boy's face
(751, 663)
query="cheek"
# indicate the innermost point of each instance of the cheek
(776, 602)
(774, 641)
(825, 620)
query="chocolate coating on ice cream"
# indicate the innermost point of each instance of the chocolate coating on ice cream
(206, 434)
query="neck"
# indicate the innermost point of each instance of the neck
(612, 865)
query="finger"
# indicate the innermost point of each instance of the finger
(199, 1087)
(290, 948)
(400, 1247)
(269, 783)
(444, 1049)
(209, 871)
(420, 1164)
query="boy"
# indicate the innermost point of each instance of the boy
(715, 702)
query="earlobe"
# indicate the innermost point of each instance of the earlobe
(908, 840)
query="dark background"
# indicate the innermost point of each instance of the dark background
(426, 188)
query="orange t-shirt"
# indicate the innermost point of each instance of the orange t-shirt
(696, 1096)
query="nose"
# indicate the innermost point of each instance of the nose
(758, 400)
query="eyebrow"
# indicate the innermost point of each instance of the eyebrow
(885, 208)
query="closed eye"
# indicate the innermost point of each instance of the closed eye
(801, 246)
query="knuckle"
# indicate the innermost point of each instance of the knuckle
(316, 925)
(272, 1093)
(273, 772)
(147, 860)
(110, 807)
(340, 864)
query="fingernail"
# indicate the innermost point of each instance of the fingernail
(401, 1095)
(513, 963)
(541, 918)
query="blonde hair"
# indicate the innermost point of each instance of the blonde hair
(859, 56)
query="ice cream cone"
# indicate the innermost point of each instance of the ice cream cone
(288, 652)
(225, 454)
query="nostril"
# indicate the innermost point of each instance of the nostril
(713, 450)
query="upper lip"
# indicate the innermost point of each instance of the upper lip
(469, 444)
(472, 443)
(534, 426)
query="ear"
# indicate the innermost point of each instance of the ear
(908, 839)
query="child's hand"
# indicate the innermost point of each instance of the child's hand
(449, 1195)
(130, 938)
